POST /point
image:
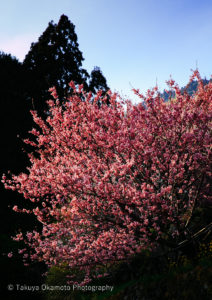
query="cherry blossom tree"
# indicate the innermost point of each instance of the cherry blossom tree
(109, 182)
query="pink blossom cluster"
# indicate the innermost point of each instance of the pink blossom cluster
(109, 182)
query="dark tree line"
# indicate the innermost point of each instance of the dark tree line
(54, 60)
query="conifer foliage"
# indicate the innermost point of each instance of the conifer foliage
(53, 60)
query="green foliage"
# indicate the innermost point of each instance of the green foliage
(148, 277)
(180, 278)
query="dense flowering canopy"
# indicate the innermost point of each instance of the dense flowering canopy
(111, 181)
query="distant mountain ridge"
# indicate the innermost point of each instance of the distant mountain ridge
(190, 89)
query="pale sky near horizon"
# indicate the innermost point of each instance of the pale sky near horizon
(132, 41)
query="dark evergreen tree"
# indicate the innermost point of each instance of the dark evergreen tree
(15, 119)
(54, 60)
(15, 122)
(98, 82)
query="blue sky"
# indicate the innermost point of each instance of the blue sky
(132, 41)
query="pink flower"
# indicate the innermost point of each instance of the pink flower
(146, 222)
(15, 208)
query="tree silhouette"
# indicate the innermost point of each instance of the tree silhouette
(14, 113)
(97, 81)
(15, 119)
(54, 60)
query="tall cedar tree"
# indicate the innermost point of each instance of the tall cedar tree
(53, 61)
